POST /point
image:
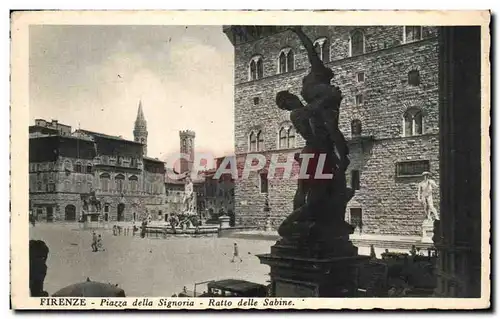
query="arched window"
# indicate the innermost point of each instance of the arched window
(260, 69)
(291, 137)
(119, 181)
(413, 122)
(321, 47)
(357, 43)
(133, 183)
(104, 181)
(67, 165)
(356, 127)
(414, 78)
(253, 142)
(282, 62)
(89, 168)
(78, 167)
(260, 141)
(286, 61)
(256, 68)
(283, 139)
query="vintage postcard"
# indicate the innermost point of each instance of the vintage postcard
(252, 160)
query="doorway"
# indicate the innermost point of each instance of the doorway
(50, 214)
(119, 213)
(70, 213)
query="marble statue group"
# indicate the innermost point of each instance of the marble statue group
(319, 204)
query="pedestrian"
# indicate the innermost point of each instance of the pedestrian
(236, 253)
(32, 219)
(94, 242)
(99, 243)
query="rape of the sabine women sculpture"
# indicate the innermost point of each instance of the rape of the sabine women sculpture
(317, 222)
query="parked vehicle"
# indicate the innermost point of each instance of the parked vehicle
(227, 288)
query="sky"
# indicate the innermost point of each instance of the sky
(93, 77)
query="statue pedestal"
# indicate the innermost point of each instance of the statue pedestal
(314, 269)
(427, 231)
(224, 222)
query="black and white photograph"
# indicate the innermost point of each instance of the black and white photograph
(259, 163)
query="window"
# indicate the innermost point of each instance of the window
(286, 61)
(413, 122)
(119, 181)
(414, 78)
(356, 127)
(256, 101)
(412, 168)
(51, 187)
(67, 165)
(106, 208)
(321, 47)
(360, 77)
(89, 169)
(39, 186)
(412, 33)
(359, 99)
(133, 183)
(355, 179)
(283, 141)
(357, 43)
(104, 180)
(256, 69)
(263, 183)
(253, 142)
(356, 218)
(291, 137)
(260, 141)
(133, 162)
(78, 168)
(67, 186)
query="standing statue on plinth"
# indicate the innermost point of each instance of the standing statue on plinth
(424, 196)
(319, 204)
(189, 200)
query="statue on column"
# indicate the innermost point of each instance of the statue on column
(319, 203)
(424, 196)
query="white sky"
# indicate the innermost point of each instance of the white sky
(95, 76)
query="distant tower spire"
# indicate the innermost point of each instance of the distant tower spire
(141, 130)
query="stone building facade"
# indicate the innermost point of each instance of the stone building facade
(389, 115)
(219, 195)
(64, 167)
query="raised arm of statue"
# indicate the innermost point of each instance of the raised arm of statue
(314, 60)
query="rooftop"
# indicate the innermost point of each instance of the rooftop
(119, 138)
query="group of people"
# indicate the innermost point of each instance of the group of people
(97, 242)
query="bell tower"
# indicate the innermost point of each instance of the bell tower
(187, 148)
(141, 130)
